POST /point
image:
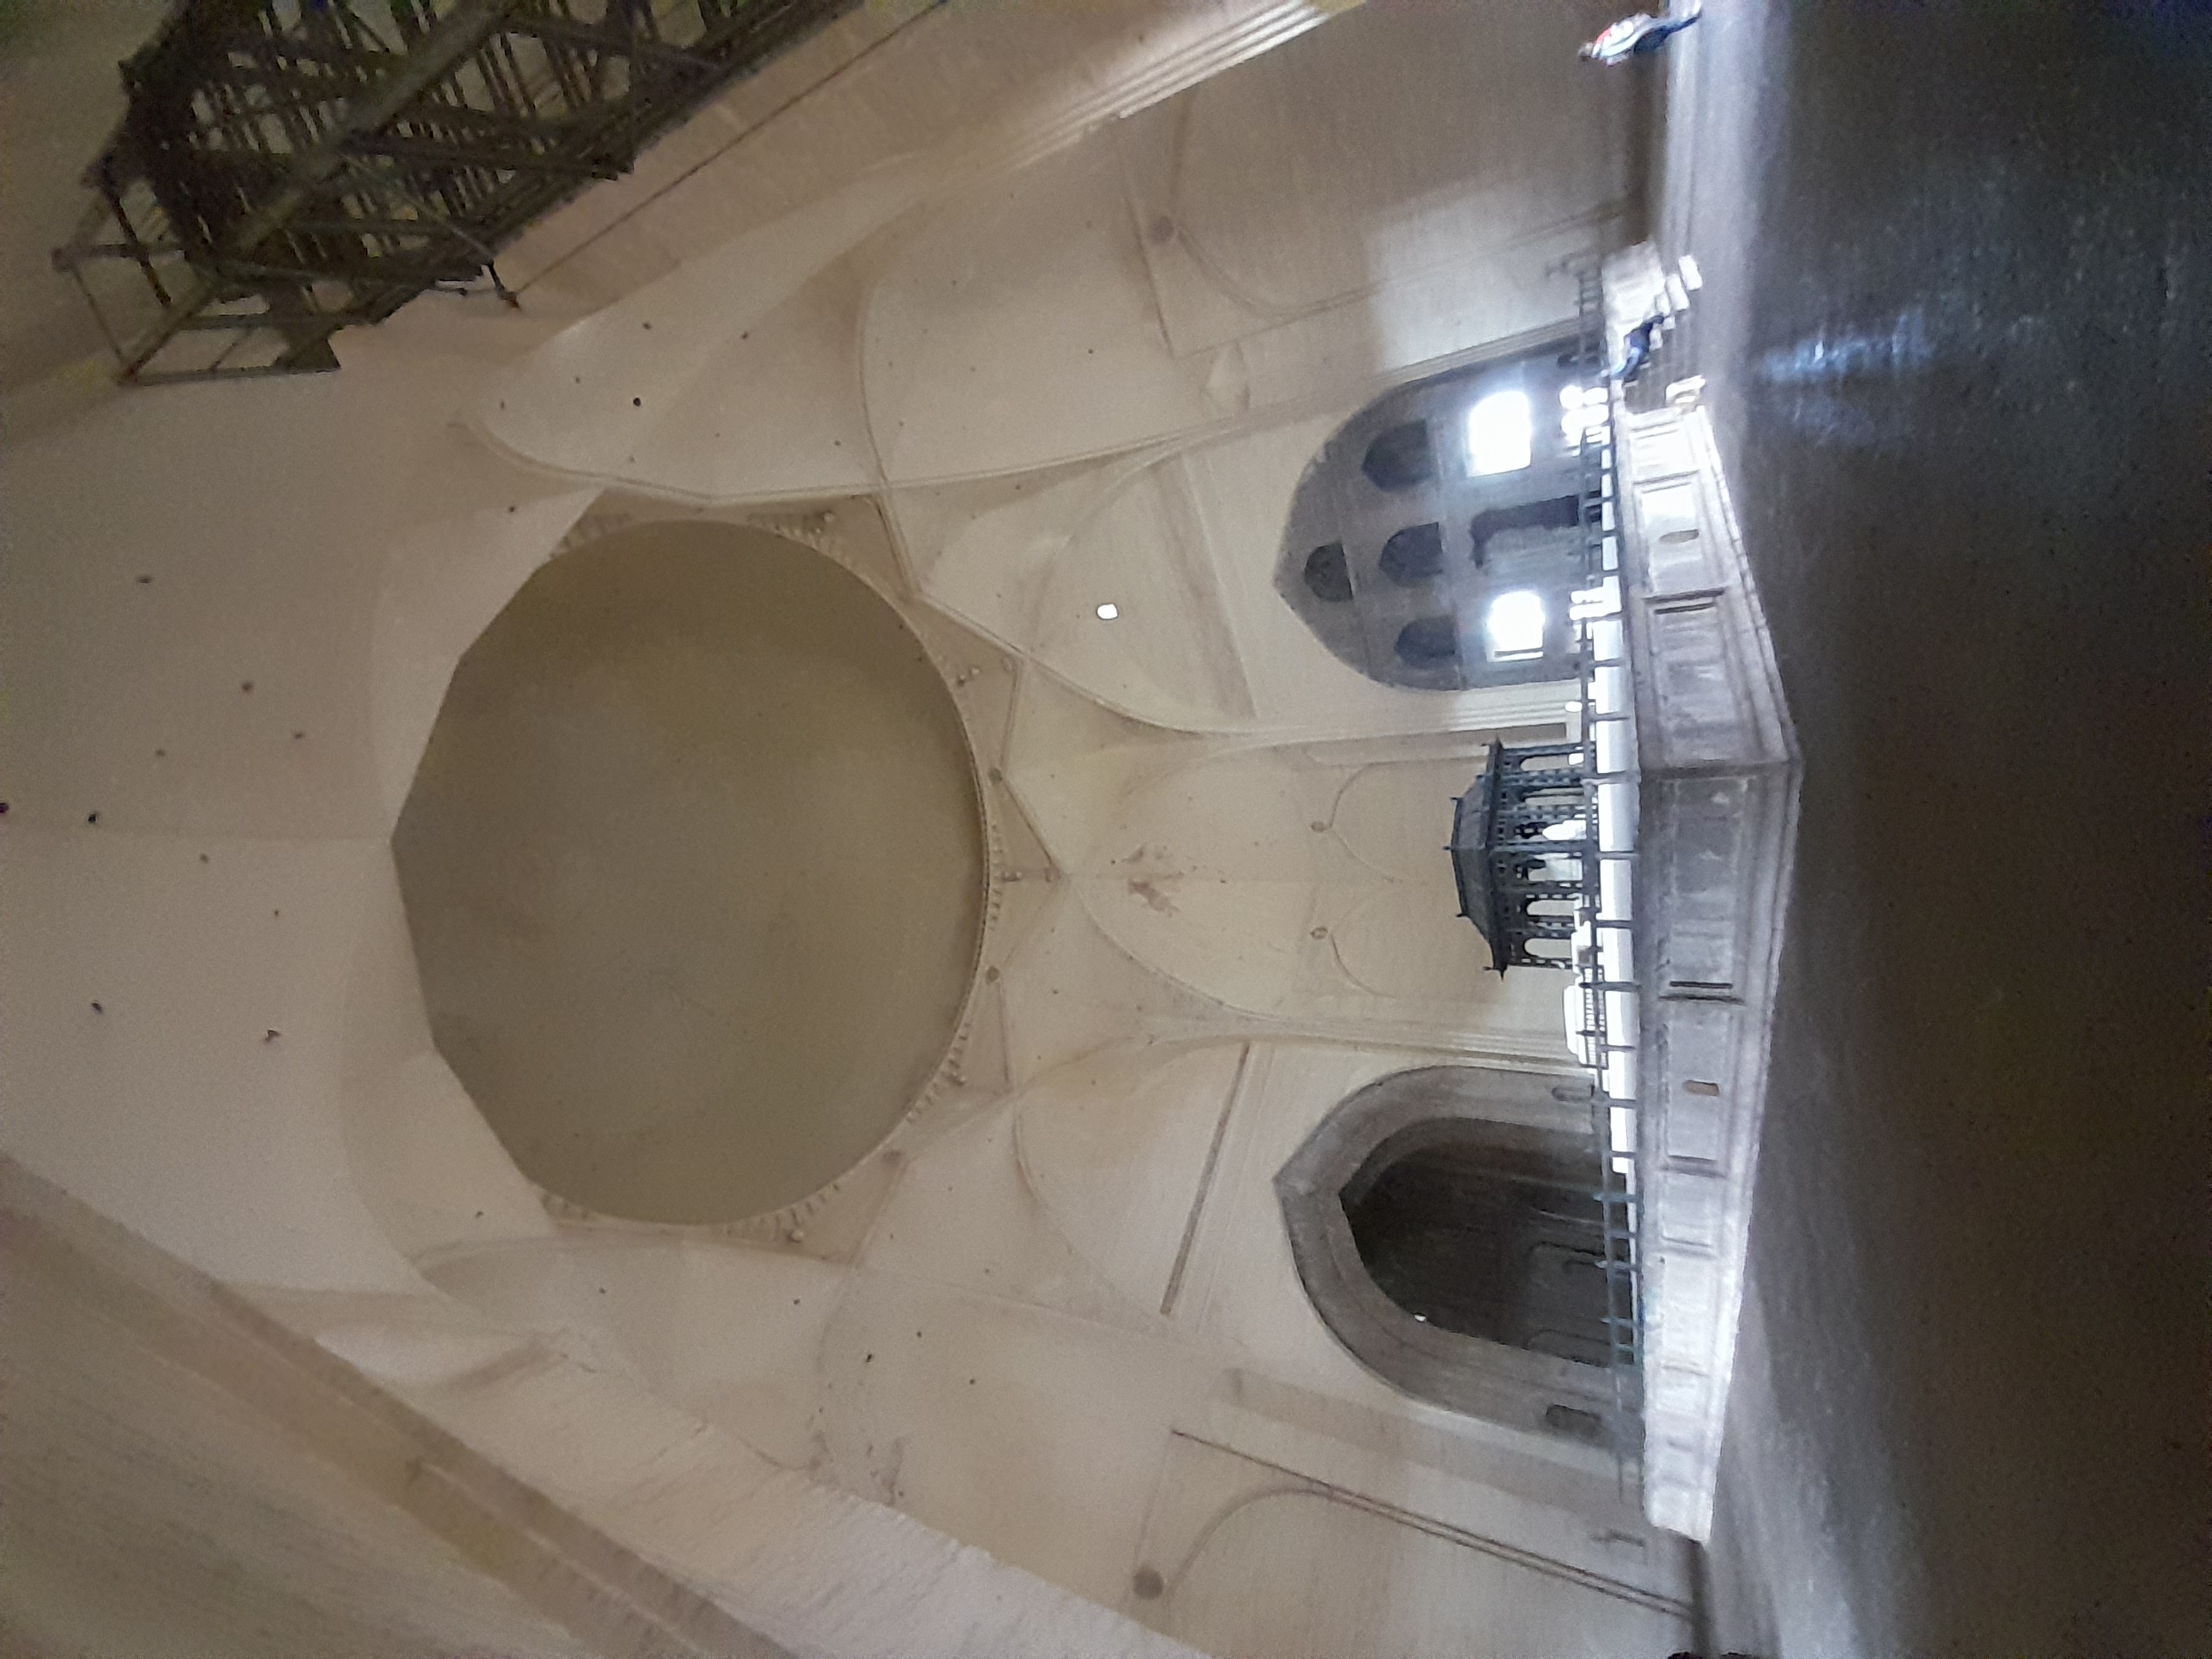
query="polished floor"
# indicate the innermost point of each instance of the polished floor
(1957, 321)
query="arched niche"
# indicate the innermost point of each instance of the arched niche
(1485, 1165)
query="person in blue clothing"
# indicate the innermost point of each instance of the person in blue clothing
(1636, 348)
(1638, 36)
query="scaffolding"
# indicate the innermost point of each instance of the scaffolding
(1603, 945)
(1543, 851)
(286, 168)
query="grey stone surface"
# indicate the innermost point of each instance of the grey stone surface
(1956, 322)
(1717, 782)
(1528, 1110)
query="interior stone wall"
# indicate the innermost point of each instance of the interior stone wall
(1054, 1317)
(1545, 1116)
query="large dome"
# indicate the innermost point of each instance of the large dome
(693, 867)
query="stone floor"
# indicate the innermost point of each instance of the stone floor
(1958, 323)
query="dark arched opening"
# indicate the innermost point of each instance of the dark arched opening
(1414, 555)
(1327, 576)
(1428, 642)
(1503, 1243)
(1400, 458)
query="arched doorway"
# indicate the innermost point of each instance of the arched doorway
(1449, 1226)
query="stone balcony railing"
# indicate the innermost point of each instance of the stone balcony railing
(1708, 747)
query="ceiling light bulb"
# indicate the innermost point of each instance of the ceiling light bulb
(1108, 612)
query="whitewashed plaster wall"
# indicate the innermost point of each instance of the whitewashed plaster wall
(193, 1468)
(1181, 539)
(1424, 171)
(1001, 84)
(1055, 1316)
(200, 784)
(959, 335)
(214, 1032)
(136, 1489)
(1301, 885)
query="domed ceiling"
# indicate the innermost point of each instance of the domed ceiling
(693, 865)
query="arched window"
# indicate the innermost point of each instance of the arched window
(1371, 558)
(1327, 576)
(1402, 458)
(1505, 1243)
(1428, 642)
(1414, 555)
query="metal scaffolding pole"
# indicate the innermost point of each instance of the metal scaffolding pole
(289, 168)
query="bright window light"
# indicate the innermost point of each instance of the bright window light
(1108, 612)
(1582, 410)
(1624, 1129)
(1514, 624)
(1498, 433)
